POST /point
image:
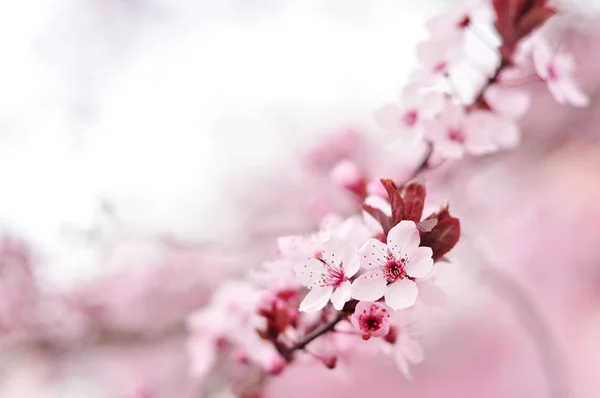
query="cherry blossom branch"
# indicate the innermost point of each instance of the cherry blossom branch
(504, 63)
(316, 334)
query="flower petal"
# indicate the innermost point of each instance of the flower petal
(401, 294)
(412, 350)
(316, 299)
(401, 362)
(508, 102)
(341, 295)
(542, 56)
(309, 272)
(203, 355)
(369, 287)
(432, 104)
(420, 262)
(570, 93)
(403, 238)
(373, 254)
(389, 117)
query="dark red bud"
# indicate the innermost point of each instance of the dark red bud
(330, 362)
(443, 237)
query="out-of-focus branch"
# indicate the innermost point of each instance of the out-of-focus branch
(512, 293)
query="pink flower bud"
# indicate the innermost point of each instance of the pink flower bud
(275, 365)
(349, 176)
(330, 362)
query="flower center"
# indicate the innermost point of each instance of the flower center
(371, 323)
(466, 21)
(552, 73)
(410, 117)
(441, 67)
(334, 275)
(394, 270)
(456, 135)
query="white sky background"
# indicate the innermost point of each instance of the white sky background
(151, 103)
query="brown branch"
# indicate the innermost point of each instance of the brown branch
(317, 333)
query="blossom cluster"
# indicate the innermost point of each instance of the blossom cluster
(428, 111)
(355, 278)
(359, 278)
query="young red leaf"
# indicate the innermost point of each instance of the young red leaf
(395, 200)
(378, 215)
(532, 20)
(503, 18)
(443, 237)
(414, 201)
(439, 215)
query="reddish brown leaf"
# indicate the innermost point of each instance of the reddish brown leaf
(443, 237)
(282, 320)
(414, 201)
(532, 20)
(395, 200)
(504, 19)
(439, 215)
(378, 215)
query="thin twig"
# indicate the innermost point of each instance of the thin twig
(317, 333)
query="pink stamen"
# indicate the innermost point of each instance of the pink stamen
(552, 73)
(334, 276)
(394, 270)
(456, 135)
(441, 67)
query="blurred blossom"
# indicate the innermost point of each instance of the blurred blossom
(257, 198)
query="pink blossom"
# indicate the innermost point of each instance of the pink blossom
(348, 175)
(437, 56)
(455, 132)
(371, 319)
(454, 20)
(407, 120)
(391, 268)
(509, 102)
(508, 106)
(405, 350)
(556, 69)
(327, 276)
(232, 317)
(18, 289)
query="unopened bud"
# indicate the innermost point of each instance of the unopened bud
(330, 362)
(349, 176)
(275, 366)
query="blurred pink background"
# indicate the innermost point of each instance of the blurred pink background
(152, 149)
